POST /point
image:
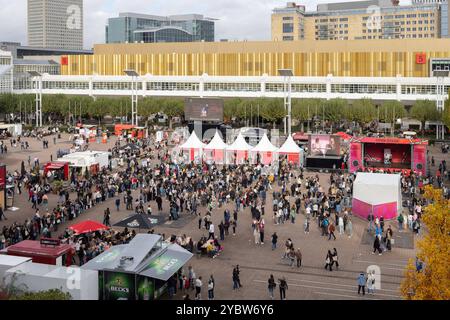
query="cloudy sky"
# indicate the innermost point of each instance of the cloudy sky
(238, 19)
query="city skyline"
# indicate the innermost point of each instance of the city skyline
(254, 16)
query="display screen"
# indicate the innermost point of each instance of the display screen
(197, 109)
(324, 145)
(119, 286)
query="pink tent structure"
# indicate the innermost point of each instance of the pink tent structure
(377, 193)
(193, 147)
(215, 150)
(266, 150)
(293, 152)
(238, 152)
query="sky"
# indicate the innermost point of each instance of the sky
(238, 19)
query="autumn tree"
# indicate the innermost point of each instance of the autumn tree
(433, 282)
(424, 110)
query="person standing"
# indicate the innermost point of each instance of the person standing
(371, 282)
(362, 283)
(256, 234)
(274, 241)
(211, 284)
(389, 235)
(211, 231)
(370, 218)
(349, 227)
(401, 220)
(341, 225)
(328, 261)
(283, 287)
(298, 255)
(261, 225)
(235, 279)
(118, 204)
(307, 225)
(198, 288)
(271, 286)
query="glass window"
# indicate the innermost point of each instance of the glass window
(288, 27)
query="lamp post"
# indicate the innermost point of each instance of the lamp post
(134, 95)
(37, 79)
(287, 75)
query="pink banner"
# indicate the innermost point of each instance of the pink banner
(355, 158)
(361, 208)
(386, 210)
(420, 159)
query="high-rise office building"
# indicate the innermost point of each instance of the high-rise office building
(361, 20)
(133, 27)
(55, 24)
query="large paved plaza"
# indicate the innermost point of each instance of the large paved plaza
(257, 262)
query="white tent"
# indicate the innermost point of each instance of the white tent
(378, 193)
(215, 150)
(194, 146)
(80, 283)
(266, 150)
(293, 152)
(238, 151)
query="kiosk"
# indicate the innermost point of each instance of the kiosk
(138, 270)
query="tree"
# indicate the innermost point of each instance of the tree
(446, 113)
(425, 110)
(231, 109)
(172, 108)
(272, 110)
(362, 111)
(52, 294)
(391, 110)
(433, 282)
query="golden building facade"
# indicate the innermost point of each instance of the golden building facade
(309, 58)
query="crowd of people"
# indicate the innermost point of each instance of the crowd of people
(147, 175)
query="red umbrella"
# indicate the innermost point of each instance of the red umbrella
(88, 226)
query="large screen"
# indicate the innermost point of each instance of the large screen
(198, 109)
(324, 145)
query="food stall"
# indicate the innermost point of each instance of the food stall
(138, 270)
(94, 161)
(130, 131)
(13, 129)
(46, 251)
(59, 170)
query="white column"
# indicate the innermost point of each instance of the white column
(329, 79)
(398, 84)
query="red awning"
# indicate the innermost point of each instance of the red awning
(55, 165)
(300, 136)
(344, 135)
(88, 226)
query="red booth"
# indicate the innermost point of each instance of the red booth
(59, 168)
(46, 251)
(136, 132)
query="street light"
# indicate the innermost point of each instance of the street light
(134, 95)
(287, 74)
(37, 79)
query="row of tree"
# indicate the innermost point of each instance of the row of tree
(267, 109)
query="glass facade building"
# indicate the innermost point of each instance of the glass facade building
(131, 28)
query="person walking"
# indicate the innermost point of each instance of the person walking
(283, 287)
(362, 283)
(401, 221)
(349, 227)
(198, 288)
(331, 230)
(389, 234)
(256, 234)
(341, 225)
(2, 214)
(211, 284)
(274, 240)
(377, 245)
(334, 258)
(118, 204)
(271, 286)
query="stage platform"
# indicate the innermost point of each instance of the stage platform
(400, 166)
(327, 162)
